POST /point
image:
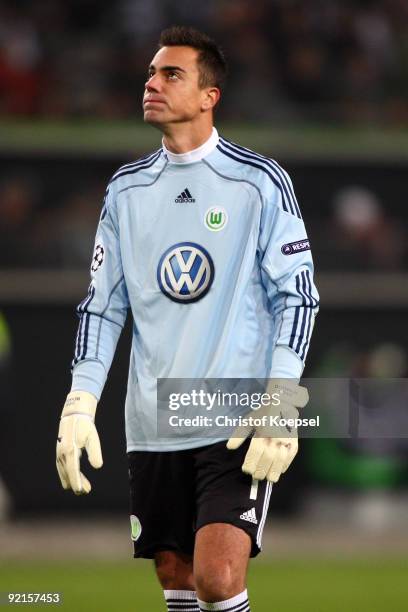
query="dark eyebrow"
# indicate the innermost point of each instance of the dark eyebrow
(167, 68)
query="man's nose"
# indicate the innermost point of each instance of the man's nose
(153, 83)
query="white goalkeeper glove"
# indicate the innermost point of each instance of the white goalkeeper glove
(269, 456)
(77, 431)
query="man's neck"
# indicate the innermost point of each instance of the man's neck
(178, 139)
(193, 155)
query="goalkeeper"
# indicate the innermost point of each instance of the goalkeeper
(203, 240)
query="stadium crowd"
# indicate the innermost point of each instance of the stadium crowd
(290, 60)
(339, 60)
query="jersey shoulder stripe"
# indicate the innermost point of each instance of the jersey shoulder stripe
(134, 167)
(233, 156)
(283, 175)
(136, 162)
(278, 176)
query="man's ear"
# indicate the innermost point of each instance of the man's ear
(210, 98)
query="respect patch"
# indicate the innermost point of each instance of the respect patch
(295, 247)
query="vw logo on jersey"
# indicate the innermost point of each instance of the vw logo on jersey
(185, 272)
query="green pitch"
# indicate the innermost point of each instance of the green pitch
(292, 586)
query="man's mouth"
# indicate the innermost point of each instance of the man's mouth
(152, 101)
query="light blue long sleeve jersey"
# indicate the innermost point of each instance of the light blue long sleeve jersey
(209, 251)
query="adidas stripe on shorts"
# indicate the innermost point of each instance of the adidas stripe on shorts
(174, 493)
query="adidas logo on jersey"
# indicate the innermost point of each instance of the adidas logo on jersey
(249, 516)
(185, 196)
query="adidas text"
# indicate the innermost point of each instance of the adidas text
(185, 196)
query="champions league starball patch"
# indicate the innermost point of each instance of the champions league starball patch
(98, 257)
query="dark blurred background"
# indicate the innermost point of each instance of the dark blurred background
(336, 60)
(321, 86)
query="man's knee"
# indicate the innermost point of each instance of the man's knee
(216, 581)
(174, 570)
(220, 561)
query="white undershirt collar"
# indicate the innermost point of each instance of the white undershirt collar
(196, 154)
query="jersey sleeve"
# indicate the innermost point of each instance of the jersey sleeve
(287, 273)
(102, 314)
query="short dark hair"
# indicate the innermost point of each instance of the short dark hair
(211, 60)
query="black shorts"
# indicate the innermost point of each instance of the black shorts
(174, 493)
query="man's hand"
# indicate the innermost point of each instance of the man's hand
(77, 431)
(271, 456)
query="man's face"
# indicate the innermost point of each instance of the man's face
(172, 93)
